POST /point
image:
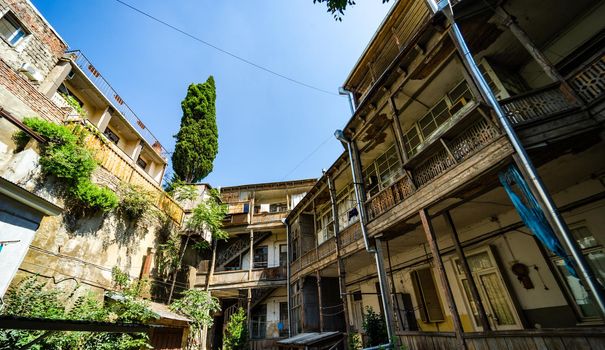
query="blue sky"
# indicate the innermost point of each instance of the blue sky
(267, 125)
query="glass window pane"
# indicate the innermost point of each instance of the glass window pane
(580, 295)
(497, 299)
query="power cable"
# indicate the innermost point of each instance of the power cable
(308, 155)
(239, 58)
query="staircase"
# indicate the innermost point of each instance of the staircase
(258, 295)
(235, 248)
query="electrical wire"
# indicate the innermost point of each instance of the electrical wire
(226, 52)
(308, 155)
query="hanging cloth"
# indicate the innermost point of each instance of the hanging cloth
(531, 213)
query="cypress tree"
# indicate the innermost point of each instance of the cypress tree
(197, 139)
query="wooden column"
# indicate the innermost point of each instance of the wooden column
(251, 257)
(467, 271)
(401, 327)
(341, 266)
(320, 302)
(212, 264)
(397, 131)
(511, 23)
(249, 310)
(438, 263)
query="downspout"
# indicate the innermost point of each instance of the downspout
(285, 221)
(528, 170)
(360, 199)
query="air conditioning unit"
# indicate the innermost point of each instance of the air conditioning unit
(31, 72)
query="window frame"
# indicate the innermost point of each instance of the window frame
(387, 176)
(411, 148)
(14, 21)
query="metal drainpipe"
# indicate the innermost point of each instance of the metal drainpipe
(525, 161)
(285, 221)
(359, 197)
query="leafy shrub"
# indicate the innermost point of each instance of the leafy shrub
(32, 298)
(94, 196)
(198, 306)
(65, 157)
(354, 341)
(374, 327)
(236, 333)
(73, 103)
(135, 201)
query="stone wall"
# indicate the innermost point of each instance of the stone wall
(42, 47)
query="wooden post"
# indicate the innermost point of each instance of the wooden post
(467, 271)
(319, 301)
(401, 327)
(544, 63)
(249, 310)
(212, 264)
(449, 296)
(251, 257)
(340, 264)
(397, 131)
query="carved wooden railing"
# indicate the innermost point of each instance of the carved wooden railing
(464, 144)
(350, 234)
(536, 104)
(326, 248)
(260, 218)
(589, 83)
(308, 258)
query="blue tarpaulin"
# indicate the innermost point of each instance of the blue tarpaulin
(531, 213)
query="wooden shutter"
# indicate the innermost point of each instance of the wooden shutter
(427, 296)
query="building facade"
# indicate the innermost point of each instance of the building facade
(39, 234)
(249, 269)
(439, 207)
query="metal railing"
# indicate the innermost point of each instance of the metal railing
(115, 100)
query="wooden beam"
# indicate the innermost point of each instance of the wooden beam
(319, 301)
(467, 271)
(438, 263)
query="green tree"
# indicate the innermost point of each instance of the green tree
(374, 327)
(337, 7)
(236, 334)
(197, 140)
(198, 306)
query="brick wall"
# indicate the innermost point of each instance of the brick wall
(42, 48)
(28, 94)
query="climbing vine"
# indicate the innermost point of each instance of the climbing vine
(65, 158)
(73, 103)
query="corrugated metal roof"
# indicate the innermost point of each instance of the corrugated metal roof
(308, 338)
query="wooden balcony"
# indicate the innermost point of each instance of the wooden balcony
(116, 162)
(451, 147)
(244, 278)
(538, 104)
(262, 218)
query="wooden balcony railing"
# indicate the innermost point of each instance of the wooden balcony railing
(461, 146)
(326, 248)
(235, 277)
(536, 104)
(260, 218)
(121, 166)
(589, 82)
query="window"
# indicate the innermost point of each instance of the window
(11, 30)
(141, 162)
(383, 172)
(259, 322)
(324, 225)
(111, 136)
(442, 111)
(494, 294)
(427, 296)
(278, 207)
(261, 257)
(283, 255)
(246, 208)
(283, 319)
(594, 253)
(357, 306)
(411, 140)
(347, 207)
